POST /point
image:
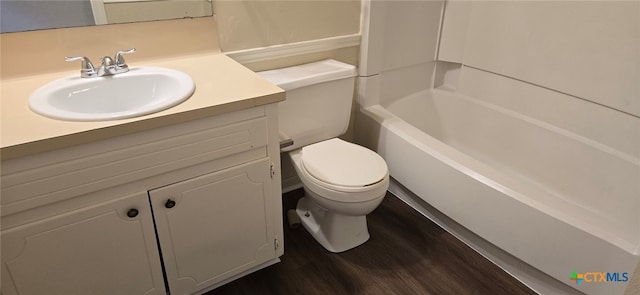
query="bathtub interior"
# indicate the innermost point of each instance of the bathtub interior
(583, 182)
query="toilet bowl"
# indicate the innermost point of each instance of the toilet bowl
(343, 182)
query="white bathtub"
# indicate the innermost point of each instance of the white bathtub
(553, 199)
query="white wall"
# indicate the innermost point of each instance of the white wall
(587, 49)
(404, 33)
(574, 64)
(399, 45)
(245, 24)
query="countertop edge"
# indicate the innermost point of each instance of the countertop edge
(54, 143)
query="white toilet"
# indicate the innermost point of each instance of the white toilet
(343, 182)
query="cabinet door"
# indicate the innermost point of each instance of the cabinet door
(95, 250)
(215, 226)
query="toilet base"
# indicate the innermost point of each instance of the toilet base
(335, 232)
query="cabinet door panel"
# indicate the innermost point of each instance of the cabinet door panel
(221, 224)
(95, 250)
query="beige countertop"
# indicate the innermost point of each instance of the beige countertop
(222, 86)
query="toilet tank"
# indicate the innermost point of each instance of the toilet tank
(318, 100)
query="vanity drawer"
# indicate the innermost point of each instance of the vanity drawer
(63, 174)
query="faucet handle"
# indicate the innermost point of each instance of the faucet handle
(87, 70)
(120, 60)
(107, 67)
(107, 61)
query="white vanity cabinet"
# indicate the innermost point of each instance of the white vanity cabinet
(95, 250)
(188, 206)
(230, 203)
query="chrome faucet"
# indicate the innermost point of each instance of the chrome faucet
(108, 67)
(87, 70)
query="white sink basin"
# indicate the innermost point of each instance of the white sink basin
(141, 91)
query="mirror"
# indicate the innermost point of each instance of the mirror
(27, 15)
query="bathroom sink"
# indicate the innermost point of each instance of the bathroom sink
(141, 91)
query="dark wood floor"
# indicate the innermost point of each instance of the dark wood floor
(407, 254)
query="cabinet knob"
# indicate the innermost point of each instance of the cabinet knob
(170, 203)
(133, 212)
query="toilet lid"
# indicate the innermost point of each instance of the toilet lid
(341, 163)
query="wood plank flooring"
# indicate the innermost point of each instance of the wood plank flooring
(407, 254)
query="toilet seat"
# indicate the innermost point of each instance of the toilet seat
(342, 166)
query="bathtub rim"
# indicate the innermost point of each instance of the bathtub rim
(540, 123)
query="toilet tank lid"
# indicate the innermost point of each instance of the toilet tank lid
(309, 74)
